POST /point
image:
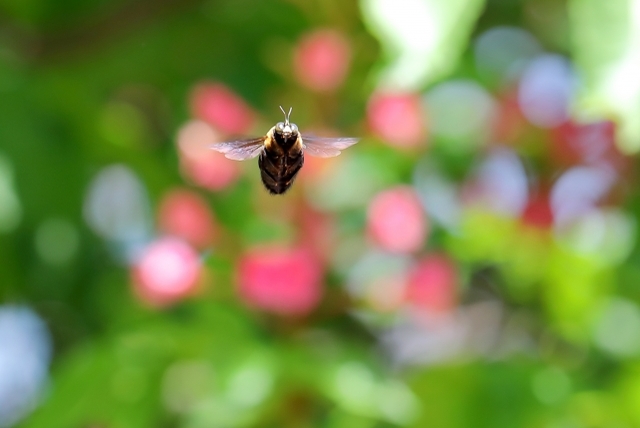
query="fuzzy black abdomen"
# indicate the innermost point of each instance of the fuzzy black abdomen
(279, 170)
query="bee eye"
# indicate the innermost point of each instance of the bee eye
(280, 126)
(294, 127)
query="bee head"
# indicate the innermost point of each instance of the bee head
(286, 128)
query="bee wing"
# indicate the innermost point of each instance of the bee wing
(240, 149)
(326, 147)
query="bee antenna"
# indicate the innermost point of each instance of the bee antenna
(286, 116)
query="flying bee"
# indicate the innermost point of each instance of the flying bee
(281, 152)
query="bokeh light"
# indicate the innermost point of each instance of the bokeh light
(578, 190)
(119, 115)
(10, 209)
(355, 387)
(440, 196)
(551, 385)
(538, 211)
(546, 90)
(435, 338)
(321, 60)
(222, 108)
(379, 280)
(590, 143)
(397, 118)
(185, 384)
(116, 207)
(285, 281)
(251, 384)
(605, 234)
(499, 184)
(617, 329)
(166, 271)
(432, 284)
(185, 214)
(502, 53)
(461, 112)
(25, 353)
(201, 165)
(396, 221)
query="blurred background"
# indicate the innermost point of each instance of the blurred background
(472, 262)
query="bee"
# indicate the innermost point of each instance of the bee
(281, 152)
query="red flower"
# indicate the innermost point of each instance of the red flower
(396, 220)
(222, 108)
(186, 215)
(538, 212)
(432, 284)
(167, 271)
(321, 60)
(397, 118)
(280, 280)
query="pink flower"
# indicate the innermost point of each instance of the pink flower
(222, 108)
(432, 284)
(167, 271)
(396, 220)
(285, 281)
(213, 171)
(397, 118)
(184, 214)
(201, 165)
(321, 60)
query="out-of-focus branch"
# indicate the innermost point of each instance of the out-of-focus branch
(97, 29)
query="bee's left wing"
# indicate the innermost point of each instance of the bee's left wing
(240, 149)
(326, 147)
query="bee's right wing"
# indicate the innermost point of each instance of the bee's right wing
(326, 147)
(240, 149)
